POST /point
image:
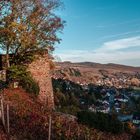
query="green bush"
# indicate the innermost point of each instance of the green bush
(16, 73)
(69, 109)
(30, 85)
(101, 121)
(20, 74)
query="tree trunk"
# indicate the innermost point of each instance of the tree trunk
(7, 58)
(7, 63)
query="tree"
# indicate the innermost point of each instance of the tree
(101, 121)
(28, 26)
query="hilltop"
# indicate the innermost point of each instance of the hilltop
(97, 66)
(89, 72)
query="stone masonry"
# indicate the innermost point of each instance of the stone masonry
(40, 70)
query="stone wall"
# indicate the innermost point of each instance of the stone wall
(40, 70)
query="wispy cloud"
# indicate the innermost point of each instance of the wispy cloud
(109, 52)
(121, 44)
(130, 58)
(120, 34)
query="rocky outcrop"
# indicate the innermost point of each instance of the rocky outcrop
(40, 70)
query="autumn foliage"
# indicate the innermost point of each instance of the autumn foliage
(30, 120)
(28, 26)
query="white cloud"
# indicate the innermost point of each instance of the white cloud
(106, 57)
(109, 52)
(121, 44)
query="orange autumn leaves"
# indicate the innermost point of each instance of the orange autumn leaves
(29, 25)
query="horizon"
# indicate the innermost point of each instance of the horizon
(100, 31)
(97, 63)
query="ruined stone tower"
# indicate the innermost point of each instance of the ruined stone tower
(40, 70)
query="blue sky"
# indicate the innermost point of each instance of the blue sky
(104, 31)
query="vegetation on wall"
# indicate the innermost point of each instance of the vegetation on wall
(27, 29)
(19, 74)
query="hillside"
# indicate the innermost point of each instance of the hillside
(29, 120)
(100, 66)
(88, 72)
